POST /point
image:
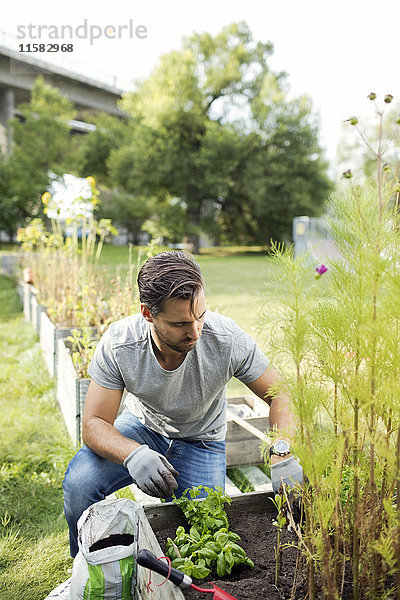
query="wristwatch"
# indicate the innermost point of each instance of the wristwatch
(280, 448)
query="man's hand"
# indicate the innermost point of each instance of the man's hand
(287, 471)
(151, 472)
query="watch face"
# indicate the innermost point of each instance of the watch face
(281, 447)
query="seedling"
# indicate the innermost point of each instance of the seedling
(209, 545)
(279, 522)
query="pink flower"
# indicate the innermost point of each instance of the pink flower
(320, 271)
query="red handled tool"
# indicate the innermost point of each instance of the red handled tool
(147, 559)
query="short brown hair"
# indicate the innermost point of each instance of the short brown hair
(168, 275)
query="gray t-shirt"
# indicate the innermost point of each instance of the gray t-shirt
(190, 401)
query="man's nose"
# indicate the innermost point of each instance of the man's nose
(194, 331)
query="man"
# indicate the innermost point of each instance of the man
(175, 359)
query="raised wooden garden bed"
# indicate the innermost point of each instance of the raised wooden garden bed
(71, 391)
(36, 311)
(250, 515)
(49, 336)
(245, 433)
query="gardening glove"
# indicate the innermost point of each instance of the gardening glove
(151, 472)
(288, 472)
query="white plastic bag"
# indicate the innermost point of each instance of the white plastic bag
(108, 573)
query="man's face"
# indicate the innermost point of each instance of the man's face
(177, 326)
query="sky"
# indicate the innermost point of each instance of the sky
(337, 52)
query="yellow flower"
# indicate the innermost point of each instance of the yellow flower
(90, 180)
(46, 197)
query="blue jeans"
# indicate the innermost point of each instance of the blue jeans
(90, 478)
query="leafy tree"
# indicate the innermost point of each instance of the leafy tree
(125, 210)
(210, 120)
(8, 203)
(94, 148)
(167, 223)
(291, 172)
(41, 142)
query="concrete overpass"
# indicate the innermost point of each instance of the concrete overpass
(89, 90)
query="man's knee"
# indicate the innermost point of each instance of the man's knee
(80, 478)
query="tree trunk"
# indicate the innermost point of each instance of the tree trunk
(193, 237)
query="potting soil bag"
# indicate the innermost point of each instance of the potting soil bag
(105, 566)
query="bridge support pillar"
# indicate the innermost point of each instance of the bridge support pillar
(7, 108)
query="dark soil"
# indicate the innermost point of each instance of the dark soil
(258, 539)
(121, 539)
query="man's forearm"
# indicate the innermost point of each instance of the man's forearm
(106, 441)
(281, 417)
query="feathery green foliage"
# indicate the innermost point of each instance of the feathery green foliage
(336, 338)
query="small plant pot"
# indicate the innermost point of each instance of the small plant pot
(27, 275)
(49, 335)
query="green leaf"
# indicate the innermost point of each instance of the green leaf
(229, 559)
(177, 563)
(185, 550)
(221, 564)
(222, 538)
(194, 533)
(249, 562)
(214, 547)
(236, 549)
(207, 553)
(200, 571)
(187, 567)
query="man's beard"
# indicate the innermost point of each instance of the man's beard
(180, 348)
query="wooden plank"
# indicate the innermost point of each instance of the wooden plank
(254, 502)
(243, 453)
(236, 433)
(166, 514)
(248, 427)
(242, 447)
(46, 335)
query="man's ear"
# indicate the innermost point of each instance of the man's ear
(146, 313)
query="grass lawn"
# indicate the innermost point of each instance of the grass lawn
(34, 452)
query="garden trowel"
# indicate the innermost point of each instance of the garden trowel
(147, 559)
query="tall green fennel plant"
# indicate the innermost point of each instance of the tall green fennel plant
(334, 331)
